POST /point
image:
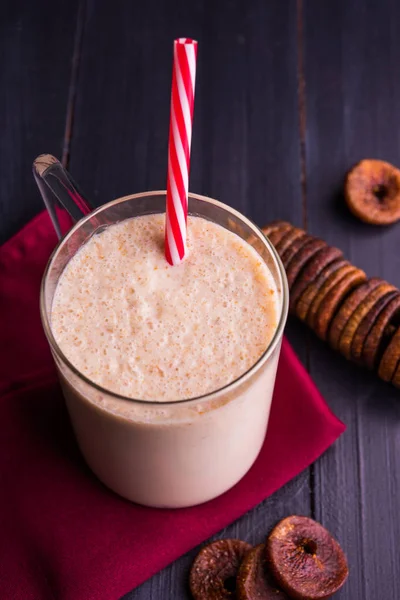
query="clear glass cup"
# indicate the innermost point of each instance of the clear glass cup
(169, 454)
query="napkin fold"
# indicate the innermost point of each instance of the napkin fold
(63, 535)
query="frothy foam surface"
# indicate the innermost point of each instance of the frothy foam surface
(144, 329)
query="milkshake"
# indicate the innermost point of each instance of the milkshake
(165, 368)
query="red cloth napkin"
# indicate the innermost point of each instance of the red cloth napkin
(63, 535)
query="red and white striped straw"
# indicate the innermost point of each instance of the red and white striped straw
(180, 136)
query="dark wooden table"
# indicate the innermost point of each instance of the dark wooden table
(289, 95)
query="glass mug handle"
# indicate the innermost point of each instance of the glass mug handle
(56, 185)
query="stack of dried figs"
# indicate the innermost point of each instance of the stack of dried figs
(359, 317)
(300, 559)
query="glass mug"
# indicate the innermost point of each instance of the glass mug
(168, 454)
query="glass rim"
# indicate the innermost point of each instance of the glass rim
(209, 395)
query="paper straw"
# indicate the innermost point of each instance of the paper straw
(180, 136)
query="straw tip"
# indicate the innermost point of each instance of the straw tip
(43, 162)
(186, 41)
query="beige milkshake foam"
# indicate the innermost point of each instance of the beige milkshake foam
(141, 328)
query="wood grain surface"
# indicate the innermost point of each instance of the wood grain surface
(36, 49)
(289, 95)
(353, 111)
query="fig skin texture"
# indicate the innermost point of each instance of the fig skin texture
(372, 192)
(277, 234)
(356, 318)
(254, 581)
(274, 226)
(306, 561)
(306, 300)
(366, 325)
(348, 307)
(379, 336)
(327, 308)
(289, 237)
(303, 256)
(215, 565)
(316, 265)
(396, 376)
(391, 358)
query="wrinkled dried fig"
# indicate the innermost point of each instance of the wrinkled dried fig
(362, 309)
(380, 334)
(367, 324)
(287, 240)
(347, 309)
(279, 232)
(213, 573)
(330, 303)
(254, 581)
(396, 376)
(325, 290)
(315, 266)
(307, 298)
(305, 559)
(391, 358)
(275, 225)
(301, 258)
(372, 192)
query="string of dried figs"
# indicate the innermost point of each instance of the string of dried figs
(357, 316)
(299, 559)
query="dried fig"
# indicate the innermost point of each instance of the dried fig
(275, 225)
(325, 290)
(308, 296)
(329, 304)
(301, 258)
(390, 359)
(367, 324)
(372, 192)
(305, 559)
(317, 264)
(286, 241)
(396, 376)
(362, 309)
(380, 334)
(279, 232)
(254, 582)
(294, 248)
(213, 573)
(348, 307)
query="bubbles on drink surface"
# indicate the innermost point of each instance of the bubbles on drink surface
(144, 329)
